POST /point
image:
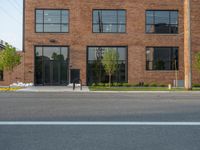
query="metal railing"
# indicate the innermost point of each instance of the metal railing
(74, 84)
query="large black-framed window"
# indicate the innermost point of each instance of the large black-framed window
(162, 21)
(52, 21)
(1, 75)
(162, 58)
(51, 65)
(109, 21)
(95, 69)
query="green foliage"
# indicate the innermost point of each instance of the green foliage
(197, 62)
(196, 85)
(162, 85)
(135, 85)
(93, 84)
(115, 84)
(153, 85)
(101, 84)
(119, 84)
(9, 58)
(1, 62)
(126, 85)
(110, 62)
(146, 85)
(107, 85)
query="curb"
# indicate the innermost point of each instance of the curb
(147, 92)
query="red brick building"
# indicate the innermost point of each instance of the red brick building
(66, 39)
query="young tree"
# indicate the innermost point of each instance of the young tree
(110, 62)
(9, 59)
(197, 63)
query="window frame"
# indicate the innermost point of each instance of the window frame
(104, 46)
(154, 70)
(43, 9)
(117, 19)
(175, 10)
(57, 46)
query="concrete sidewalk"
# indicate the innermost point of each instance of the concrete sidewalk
(53, 89)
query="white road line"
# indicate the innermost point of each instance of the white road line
(51, 123)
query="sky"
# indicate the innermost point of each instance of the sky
(11, 12)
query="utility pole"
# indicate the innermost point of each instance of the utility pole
(187, 46)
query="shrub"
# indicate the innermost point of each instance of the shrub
(101, 84)
(93, 84)
(126, 85)
(135, 85)
(107, 84)
(153, 85)
(115, 84)
(146, 85)
(120, 84)
(196, 85)
(162, 85)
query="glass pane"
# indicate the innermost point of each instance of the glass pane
(65, 17)
(174, 28)
(52, 16)
(110, 28)
(150, 28)
(109, 16)
(51, 53)
(121, 28)
(162, 54)
(96, 28)
(174, 17)
(64, 53)
(39, 27)
(162, 28)
(47, 73)
(64, 73)
(96, 16)
(92, 53)
(38, 71)
(150, 17)
(122, 17)
(122, 53)
(109, 49)
(162, 17)
(52, 27)
(56, 71)
(39, 16)
(64, 28)
(38, 52)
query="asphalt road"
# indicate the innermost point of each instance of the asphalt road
(99, 107)
(168, 107)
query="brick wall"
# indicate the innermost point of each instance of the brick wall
(80, 35)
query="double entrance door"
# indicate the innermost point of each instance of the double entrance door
(55, 73)
(51, 66)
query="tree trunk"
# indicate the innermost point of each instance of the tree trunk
(10, 80)
(110, 76)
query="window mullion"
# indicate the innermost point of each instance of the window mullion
(43, 19)
(61, 21)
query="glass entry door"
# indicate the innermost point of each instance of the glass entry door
(51, 66)
(52, 73)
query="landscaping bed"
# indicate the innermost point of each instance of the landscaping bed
(136, 87)
(98, 88)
